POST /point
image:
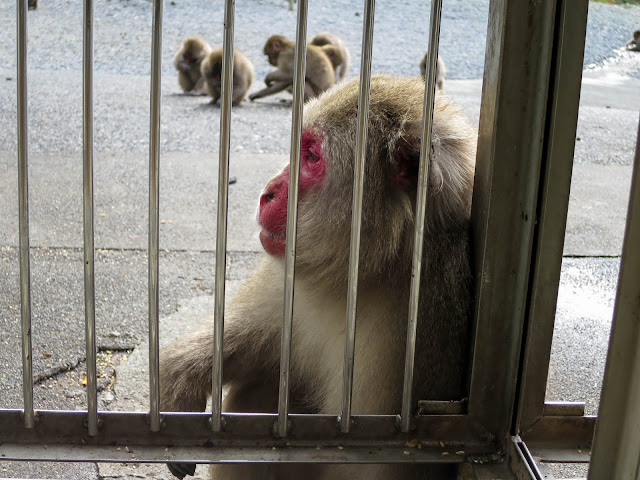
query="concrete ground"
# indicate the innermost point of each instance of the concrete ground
(601, 177)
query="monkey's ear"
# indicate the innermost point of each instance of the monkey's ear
(407, 157)
(277, 45)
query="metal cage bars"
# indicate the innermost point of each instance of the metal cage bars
(300, 58)
(356, 220)
(23, 215)
(421, 207)
(154, 218)
(154, 199)
(88, 217)
(223, 203)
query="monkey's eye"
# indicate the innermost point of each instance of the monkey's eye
(312, 157)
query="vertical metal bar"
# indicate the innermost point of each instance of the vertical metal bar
(292, 216)
(616, 448)
(23, 216)
(356, 209)
(87, 183)
(564, 101)
(511, 134)
(154, 217)
(421, 204)
(223, 204)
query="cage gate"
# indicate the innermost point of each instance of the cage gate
(528, 118)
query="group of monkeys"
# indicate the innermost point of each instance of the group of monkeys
(328, 61)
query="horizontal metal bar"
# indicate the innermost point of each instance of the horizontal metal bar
(456, 432)
(575, 409)
(248, 454)
(442, 407)
(561, 455)
(561, 432)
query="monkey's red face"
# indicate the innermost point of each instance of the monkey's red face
(272, 213)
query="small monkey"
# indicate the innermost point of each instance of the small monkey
(273, 47)
(243, 75)
(634, 44)
(341, 67)
(335, 56)
(188, 60)
(319, 74)
(441, 70)
(253, 319)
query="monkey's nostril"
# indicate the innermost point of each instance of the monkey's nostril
(268, 196)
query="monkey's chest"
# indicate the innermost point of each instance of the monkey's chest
(318, 357)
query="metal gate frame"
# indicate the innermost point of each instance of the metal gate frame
(528, 119)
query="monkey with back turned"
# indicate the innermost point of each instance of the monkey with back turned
(341, 59)
(253, 318)
(243, 75)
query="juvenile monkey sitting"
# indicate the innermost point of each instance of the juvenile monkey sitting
(243, 74)
(187, 61)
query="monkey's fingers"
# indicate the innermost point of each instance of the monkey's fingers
(274, 88)
(181, 470)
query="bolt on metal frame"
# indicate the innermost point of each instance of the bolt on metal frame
(525, 149)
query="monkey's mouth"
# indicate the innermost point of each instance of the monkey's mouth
(273, 243)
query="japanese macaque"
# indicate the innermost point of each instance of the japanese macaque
(242, 75)
(275, 44)
(441, 70)
(253, 319)
(335, 57)
(341, 62)
(634, 43)
(319, 74)
(188, 61)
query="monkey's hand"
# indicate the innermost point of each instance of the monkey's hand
(186, 393)
(183, 67)
(181, 470)
(278, 76)
(274, 88)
